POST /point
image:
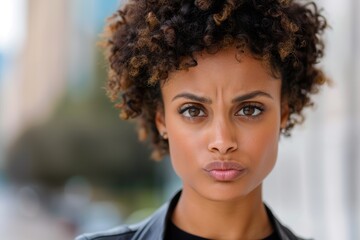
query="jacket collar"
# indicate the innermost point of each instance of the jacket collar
(153, 228)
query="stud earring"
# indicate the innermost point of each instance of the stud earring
(283, 131)
(164, 135)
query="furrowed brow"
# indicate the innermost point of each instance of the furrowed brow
(251, 95)
(192, 97)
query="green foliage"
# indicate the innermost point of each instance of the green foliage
(83, 138)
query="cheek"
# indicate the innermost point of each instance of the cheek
(263, 148)
(184, 146)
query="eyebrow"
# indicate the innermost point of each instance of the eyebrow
(193, 97)
(251, 95)
(241, 98)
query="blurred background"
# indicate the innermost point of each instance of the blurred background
(68, 165)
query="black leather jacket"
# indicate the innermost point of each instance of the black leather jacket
(153, 228)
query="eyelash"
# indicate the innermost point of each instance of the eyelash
(253, 106)
(185, 108)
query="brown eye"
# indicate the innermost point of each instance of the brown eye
(192, 112)
(250, 111)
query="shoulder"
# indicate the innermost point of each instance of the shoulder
(146, 229)
(282, 231)
(124, 232)
(119, 233)
(290, 235)
(151, 228)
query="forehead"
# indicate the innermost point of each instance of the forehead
(225, 70)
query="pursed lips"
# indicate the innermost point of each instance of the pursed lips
(225, 170)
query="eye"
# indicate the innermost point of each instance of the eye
(250, 110)
(191, 111)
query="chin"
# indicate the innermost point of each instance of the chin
(226, 192)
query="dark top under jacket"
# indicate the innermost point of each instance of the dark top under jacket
(175, 233)
(155, 227)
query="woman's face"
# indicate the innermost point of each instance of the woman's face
(223, 119)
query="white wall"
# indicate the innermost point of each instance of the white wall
(315, 187)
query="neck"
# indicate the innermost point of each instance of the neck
(243, 218)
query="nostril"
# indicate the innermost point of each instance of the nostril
(222, 136)
(223, 147)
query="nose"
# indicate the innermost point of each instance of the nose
(223, 138)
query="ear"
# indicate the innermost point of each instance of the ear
(285, 112)
(160, 121)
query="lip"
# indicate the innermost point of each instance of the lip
(225, 171)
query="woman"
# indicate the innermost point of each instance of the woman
(214, 84)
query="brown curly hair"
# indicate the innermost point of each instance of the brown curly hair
(148, 39)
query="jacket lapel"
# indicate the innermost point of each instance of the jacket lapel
(283, 232)
(154, 227)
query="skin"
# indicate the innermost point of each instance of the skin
(222, 110)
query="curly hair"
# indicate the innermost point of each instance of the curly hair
(148, 39)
